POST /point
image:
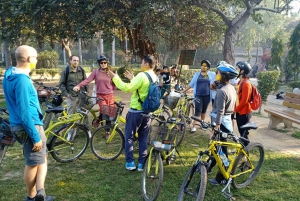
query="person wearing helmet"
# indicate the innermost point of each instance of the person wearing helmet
(104, 86)
(222, 109)
(243, 109)
(201, 82)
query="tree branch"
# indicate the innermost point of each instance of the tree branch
(220, 13)
(278, 10)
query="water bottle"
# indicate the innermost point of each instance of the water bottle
(158, 144)
(224, 158)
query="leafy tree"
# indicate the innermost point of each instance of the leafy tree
(235, 13)
(293, 58)
(277, 51)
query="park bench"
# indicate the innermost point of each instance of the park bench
(288, 116)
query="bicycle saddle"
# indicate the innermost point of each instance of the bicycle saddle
(56, 110)
(250, 125)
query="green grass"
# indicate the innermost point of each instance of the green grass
(296, 135)
(280, 130)
(92, 179)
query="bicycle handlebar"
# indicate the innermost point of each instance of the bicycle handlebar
(4, 110)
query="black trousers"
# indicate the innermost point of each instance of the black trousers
(242, 119)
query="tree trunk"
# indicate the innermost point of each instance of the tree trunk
(8, 61)
(66, 45)
(228, 48)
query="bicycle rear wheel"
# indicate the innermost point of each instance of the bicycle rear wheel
(256, 154)
(107, 149)
(194, 184)
(152, 176)
(3, 149)
(72, 146)
(47, 120)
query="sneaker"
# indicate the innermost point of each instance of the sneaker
(140, 167)
(130, 166)
(41, 195)
(107, 135)
(193, 130)
(204, 126)
(215, 182)
(96, 123)
(29, 199)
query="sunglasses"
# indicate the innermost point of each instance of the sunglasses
(103, 62)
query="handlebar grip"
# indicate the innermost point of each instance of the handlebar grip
(196, 119)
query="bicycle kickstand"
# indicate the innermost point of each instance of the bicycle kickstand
(179, 156)
(226, 190)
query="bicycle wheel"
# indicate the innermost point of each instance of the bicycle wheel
(181, 130)
(3, 149)
(152, 176)
(107, 149)
(47, 120)
(190, 111)
(256, 154)
(72, 146)
(194, 184)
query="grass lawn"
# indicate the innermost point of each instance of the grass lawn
(91, 179)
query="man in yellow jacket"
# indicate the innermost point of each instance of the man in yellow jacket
(135, 121)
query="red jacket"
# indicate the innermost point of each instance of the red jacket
(244, 95)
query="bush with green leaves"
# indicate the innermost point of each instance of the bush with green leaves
(266, 83)
(294, 84)
(47, 59)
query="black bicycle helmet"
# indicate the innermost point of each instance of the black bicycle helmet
(207, 63)
(57, 100)
(221, 63)
(228, 70)
(243, 65)
(101, 58)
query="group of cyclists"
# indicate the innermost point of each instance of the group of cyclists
(229, 102)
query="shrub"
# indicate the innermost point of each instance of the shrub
(266, 83)
(47, 59)
(294, 84)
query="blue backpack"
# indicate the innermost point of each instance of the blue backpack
(152, 101)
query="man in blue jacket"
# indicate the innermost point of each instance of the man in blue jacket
(25, 118)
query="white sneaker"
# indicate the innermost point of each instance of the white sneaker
(193, 130)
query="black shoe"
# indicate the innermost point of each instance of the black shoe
(41, 195)
(215, 182)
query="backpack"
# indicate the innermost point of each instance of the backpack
(68, 71)
(255, 98)
(152, 101)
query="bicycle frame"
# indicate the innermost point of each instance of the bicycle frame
(213, 151)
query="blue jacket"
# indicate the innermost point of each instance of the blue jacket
(193, 84)
(22, 102)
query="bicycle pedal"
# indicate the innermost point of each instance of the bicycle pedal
(172, 158)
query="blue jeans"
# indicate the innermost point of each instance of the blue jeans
(135, 122)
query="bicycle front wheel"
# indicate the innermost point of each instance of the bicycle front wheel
(194, 184)
(3, 149)
(181, 127)
(107, 148)
(190, 111)
(69, 144)
(256, 154)
(152, 176)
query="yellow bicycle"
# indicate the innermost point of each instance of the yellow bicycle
(244, 164)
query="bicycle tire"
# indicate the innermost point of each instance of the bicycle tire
(47, 120)
(104, 150)
(190, 111)
(65, 152)
(194, 185)
(255, 153)
(181, 130)
(152, 179)
(3, 149)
